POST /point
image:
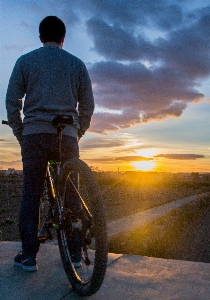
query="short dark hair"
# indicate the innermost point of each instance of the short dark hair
(52, 29)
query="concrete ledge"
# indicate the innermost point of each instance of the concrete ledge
(128, 278)
(49, 282)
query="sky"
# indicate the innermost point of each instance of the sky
(149, 63)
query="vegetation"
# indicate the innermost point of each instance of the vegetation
(166, 237)
(123, 194)
(150, 178)
(145, 190)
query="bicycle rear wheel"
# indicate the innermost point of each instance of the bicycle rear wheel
(87, 279)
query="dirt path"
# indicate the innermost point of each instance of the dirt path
(138, 220)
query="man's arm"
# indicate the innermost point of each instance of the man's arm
(15, 93)
(86, 102)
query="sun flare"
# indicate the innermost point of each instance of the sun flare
(144, 165)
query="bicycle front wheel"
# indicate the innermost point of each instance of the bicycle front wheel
(86, 279)
(45, 217)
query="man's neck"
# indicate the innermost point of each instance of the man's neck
(53, 44)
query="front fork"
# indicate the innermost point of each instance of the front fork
(83, 218)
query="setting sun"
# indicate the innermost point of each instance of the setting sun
(144, 165)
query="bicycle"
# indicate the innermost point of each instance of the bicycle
(55, 216)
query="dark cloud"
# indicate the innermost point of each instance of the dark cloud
(104, 122)
(132, 158)
(147, 79)
(184, 46)
(122, 159)
(180, 156)
(141, 94)
(187, 49)
(117, 42)
(100, 160)
(102, 143)
(163, 14)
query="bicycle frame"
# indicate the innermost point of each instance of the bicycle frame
(55, 167)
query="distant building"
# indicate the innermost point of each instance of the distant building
(12, 171)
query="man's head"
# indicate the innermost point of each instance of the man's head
(52, 29)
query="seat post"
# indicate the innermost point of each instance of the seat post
(59, 132)
(60, 123)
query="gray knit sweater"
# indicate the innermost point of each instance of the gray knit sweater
(54, 83)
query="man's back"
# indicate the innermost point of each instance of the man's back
(54, 82)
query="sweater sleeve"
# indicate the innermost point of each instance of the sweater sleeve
(85, 101)
(15, 93)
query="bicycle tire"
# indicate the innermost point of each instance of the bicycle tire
(44, 207)
(45, 213)
(97, 268)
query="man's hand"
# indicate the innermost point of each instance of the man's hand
(80, 134)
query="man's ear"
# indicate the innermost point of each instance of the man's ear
(63, 38)
(41, 39)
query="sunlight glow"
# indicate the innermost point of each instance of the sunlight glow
(147, 152)
(144, 165)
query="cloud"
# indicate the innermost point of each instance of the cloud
(137, 13)
(184, 48)
(187, 48)
(102, 122)
(140, 93)
(9, 162)
(104, 159)
(147, 76)
(132, 158)
(123, 45)
(136, 158)
(120, 158)
(102, 143)
(17, 164)
(180, 156)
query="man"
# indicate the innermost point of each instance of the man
(54, 83)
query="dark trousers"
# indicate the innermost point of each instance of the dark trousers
(37, 150)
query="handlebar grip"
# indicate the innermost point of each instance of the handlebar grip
(5, 122)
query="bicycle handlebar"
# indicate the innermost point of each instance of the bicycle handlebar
(5, 122)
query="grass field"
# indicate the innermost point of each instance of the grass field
(175, 235)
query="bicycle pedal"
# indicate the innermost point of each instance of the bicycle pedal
(77, 225)
(55, 226)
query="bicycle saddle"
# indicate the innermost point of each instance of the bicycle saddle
(62, 122)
